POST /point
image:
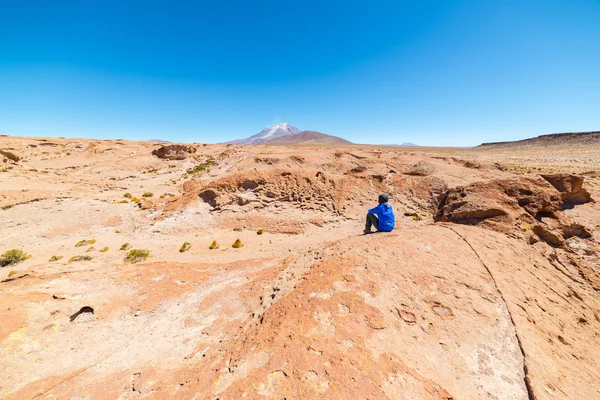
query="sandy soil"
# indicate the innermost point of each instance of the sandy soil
(496, 299)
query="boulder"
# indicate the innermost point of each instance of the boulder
(570, 188)
(422, 168)
(11, 156)
(174, 152)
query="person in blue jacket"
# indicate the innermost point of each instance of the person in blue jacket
(381, 217)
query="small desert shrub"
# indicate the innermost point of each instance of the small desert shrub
(91, 248)
(84, 242)
(416, 218)
(237, 229)
(13, 256)
(104, 249)
(127, 195)
(237, 244)
(135, 200)
(526, 228)
(79, 258)
(124, 201)
(117, 231)
(11, 272)
(55, 258)
(6, 207)
(137, 255)
(260, 231)
(214, 245)
(148, 194)
(125, 246)
(185, 247)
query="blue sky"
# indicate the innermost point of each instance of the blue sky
(454, 73)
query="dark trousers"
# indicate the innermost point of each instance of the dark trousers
(372, 220)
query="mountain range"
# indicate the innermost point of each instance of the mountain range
(286, 134)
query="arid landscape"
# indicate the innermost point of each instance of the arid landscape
(224, 271)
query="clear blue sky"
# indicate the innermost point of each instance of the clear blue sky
(431, 72)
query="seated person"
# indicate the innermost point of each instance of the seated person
(381, 217)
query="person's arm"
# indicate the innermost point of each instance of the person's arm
(375, 210)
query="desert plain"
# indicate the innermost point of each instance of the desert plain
(130, 287)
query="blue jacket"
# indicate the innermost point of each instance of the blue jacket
(385, 214)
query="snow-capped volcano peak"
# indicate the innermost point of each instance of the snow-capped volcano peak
(281, 129)
(269, 133)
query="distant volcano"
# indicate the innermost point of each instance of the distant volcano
(308, 138)
(286, 134)
(269, 133)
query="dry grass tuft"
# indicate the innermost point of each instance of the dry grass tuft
(8, 206)
(104, 249)
(125, 246)
(55, 258)
(79, 258)
(137, 255)
(148, 194)
(84, 242)
(237, 244)
(214, 245)
(260, 231)
(185, 247)
(13, 256)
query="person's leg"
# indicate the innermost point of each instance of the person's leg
(372, 220)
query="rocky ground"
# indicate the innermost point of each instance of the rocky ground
(487, 289)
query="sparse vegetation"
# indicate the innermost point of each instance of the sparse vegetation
(237, 244)
(125, 246)
(104, 249)
(148, 194)
(124, 201)
(128, 195)
(79, 258)
(136, 255)
(11, 273)
(185, 247)
(237, 229)
(84, 242)
(117, 231)
(6, 207)
(91, 248)
(204, 167)
(214, 245)
(526, 227)
(14, 256)
(135, 200)
(55, 258)
(260, 231)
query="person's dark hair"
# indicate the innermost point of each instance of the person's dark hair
(383, 198)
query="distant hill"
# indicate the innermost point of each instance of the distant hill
(307, 138)
(571, 139)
